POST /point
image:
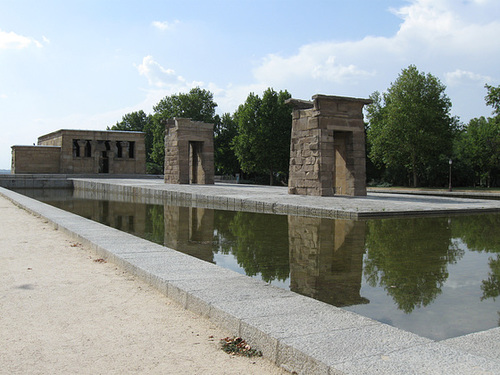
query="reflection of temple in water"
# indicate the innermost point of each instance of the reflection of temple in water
(190, 230)
(326, 259)
(129, 218)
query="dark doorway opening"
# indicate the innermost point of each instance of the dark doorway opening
(104, 162)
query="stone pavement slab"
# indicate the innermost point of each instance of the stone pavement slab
(485, 344)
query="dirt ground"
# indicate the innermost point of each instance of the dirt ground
(64, 312)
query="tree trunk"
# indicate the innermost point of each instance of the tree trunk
(414, 170)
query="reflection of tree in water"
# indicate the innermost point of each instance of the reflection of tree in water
(491, 286)
(259, 242)
(409, 258)
(155, 224)
(480, 233)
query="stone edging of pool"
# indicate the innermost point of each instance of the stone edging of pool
(295, 332)
(276, 200)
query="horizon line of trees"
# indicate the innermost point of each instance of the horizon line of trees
(254, 141)
(411, 137)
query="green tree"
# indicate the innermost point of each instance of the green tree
(225, 130)
(493, 98)
(134, 121)
(410, 127)
(264, 130)
(198, 105)
(479, 149)
(477, 145)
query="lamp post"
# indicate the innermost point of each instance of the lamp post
(449, 185)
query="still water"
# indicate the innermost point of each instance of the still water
(438, 277)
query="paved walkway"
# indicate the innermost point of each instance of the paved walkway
(64, 312)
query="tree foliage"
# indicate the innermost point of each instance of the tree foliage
(477, 146)
(198, 105)
(225, 130)
(264, 130)
(411, 128)
(493, 98)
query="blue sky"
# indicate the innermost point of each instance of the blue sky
(83, 64)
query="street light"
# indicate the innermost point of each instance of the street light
(449, 185)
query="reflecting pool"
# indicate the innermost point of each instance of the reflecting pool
(438, 277)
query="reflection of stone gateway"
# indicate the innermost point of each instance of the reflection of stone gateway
(327, 152)
(190, 230)
(326, 259)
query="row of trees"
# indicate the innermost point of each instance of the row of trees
(254, 140)
(411, 136)
(412, 139)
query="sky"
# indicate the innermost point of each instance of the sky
(83, 64)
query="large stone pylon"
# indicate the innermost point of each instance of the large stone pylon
(327, 151)
(189, 152)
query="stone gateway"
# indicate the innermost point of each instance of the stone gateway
(327, 151)
(189, 152)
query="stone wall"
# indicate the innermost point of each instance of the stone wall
(35, 159)
(189, 152)
(327, 151)
(84, 152)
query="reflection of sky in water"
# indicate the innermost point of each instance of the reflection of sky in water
(458, 310)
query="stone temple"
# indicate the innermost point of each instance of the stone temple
(82, 152)
(327, 151)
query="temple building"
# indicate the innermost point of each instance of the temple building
(82, 152)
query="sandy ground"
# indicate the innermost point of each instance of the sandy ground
(64, 312)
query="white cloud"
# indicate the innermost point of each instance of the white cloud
(455, 41)
(163, 26)
(318, 61)
(449, 28)
(11, 40)
(438, 36)
(459, 76)
(157, 75)
(3, 96)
